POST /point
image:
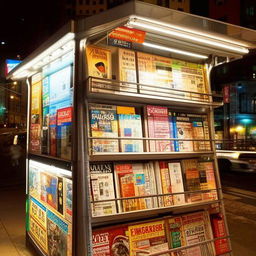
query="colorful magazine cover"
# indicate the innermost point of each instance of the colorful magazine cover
(49, 185)
(64, 130)
(57, 234)
(111, 241)
(147, 238)
(192, 179)
(60, 203)
(34, 181)
(129, 126)
(134, 180)
(68, 199)
(158, 127)
(103, 121)
(207, 179)
(102, 188)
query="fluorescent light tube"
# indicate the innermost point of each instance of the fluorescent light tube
(168, 49)
(188, 35)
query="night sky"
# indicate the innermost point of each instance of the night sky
(24, 25)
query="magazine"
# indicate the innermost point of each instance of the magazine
(48, 190)
(34, 181)
(158, 127)
(192, 179)
(129, 126)
(147, 238)
(112, 241)
(68, 199)
(132, 180)
(102, 188)
(103, 121)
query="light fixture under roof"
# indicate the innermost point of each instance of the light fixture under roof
(168, 49)
(188, 35)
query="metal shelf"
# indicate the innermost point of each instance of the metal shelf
(150, 213)
(146, 156)
(106, 90)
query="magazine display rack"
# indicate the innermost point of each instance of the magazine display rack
(121, 155)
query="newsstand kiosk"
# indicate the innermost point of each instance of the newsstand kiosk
(121, 157)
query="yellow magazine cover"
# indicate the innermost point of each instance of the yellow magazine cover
(99, 62)
(148, 238)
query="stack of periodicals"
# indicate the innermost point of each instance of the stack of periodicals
(50, 214)
(184, 132)
(161, 235)
(157, 75)
(150, 184)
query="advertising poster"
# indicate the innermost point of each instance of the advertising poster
(57, 234)
(36, 107)
(37, 222)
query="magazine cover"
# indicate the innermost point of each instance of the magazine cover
(57, 235)
(206, 133)
(207, 179)
(197, 131)
(60, 203)
(127, 69)
(147, 238)
(190, 77)
(35, 138)
(34, 181)
(68, 199)
(99, 62)
(158, 127)
(195, 231)
(111, 241)
(155, 70)
(192, 179)
(102, 188)
(64, 130)
(184, 131)
(166, 183)
(103, 121)
(129, 126)
(37, 222)
(176, 182)
(219, 230)
(49, 185)
(134, 180)
(46, 131)
(53, 135)
(175, 234)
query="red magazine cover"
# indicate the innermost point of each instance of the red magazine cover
(219, 230)
(158, 127)
(110, 241)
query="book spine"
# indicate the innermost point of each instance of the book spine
(175, 133)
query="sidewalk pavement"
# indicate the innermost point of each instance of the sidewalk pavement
(12, 223)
